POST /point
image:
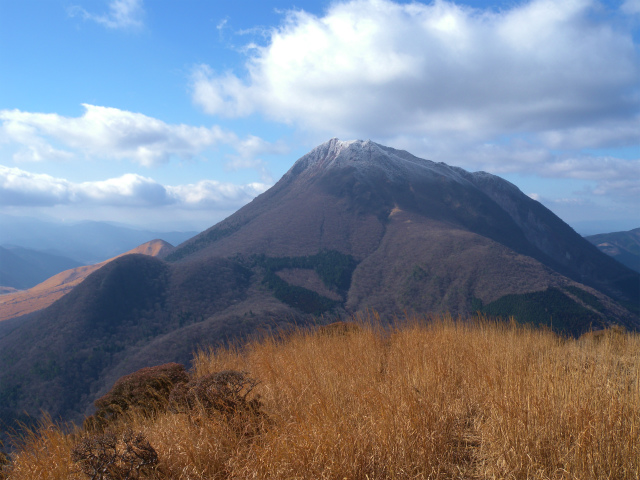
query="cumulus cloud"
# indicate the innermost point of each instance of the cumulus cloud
(18, 187)
(21, 188)
(104, 132)
(122, 14)
(385, 68)
(595, 168)
(525, 89)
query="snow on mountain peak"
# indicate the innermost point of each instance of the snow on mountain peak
(364, 157)
(367, 159)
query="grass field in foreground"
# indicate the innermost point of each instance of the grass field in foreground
(431, 398)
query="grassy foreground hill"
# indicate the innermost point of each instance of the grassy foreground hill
(431, 398)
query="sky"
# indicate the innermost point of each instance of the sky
(172, 114)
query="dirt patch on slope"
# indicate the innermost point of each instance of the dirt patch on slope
(308, 279)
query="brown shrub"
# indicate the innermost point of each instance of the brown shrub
(226, 392)
(105, 457)
(146, 390)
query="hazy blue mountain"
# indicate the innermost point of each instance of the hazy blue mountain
(23, 268)
(86, 242)
(623, 246)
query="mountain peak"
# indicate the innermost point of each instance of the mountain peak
(367, 159)
(153, 248)
(334, 153)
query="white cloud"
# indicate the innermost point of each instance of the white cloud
(562, 201)
(127, 190)
(21, 188)
(383, 69)
(110, 132)
(621, 187)
(595, 168)
(249, 152)
(611, 177)
(631, 7)
(103, 132)
(606, 134)
(122, 14)
(18, 187)
(253, 146)
(525, 89)
(208, 192)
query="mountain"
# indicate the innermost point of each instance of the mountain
(86, 242)
(351, 226)
(426, 235)
(22, 268)
(623, 246)
(14, 304)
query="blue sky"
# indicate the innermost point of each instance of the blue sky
(173, 114)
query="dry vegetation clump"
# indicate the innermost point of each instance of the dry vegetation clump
(146, 390)
(430, 399)
(225, 392)
(107, 456)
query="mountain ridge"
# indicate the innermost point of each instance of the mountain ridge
(40, 296)
(623, 246)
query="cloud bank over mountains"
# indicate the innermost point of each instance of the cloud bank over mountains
(436, 69)
(105, 134)
(542, 89)
(516, 90)
(21, 188)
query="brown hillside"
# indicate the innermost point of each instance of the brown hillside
(44, 294)
(426, 265)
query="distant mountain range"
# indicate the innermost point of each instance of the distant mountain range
(352, 226)
(85, 242)
(22, 268)
(623, 246)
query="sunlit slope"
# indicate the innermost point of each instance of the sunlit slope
(44, 294)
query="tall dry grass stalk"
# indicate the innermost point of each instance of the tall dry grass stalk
(433, 398)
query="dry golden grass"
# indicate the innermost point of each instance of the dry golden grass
(436, 399)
